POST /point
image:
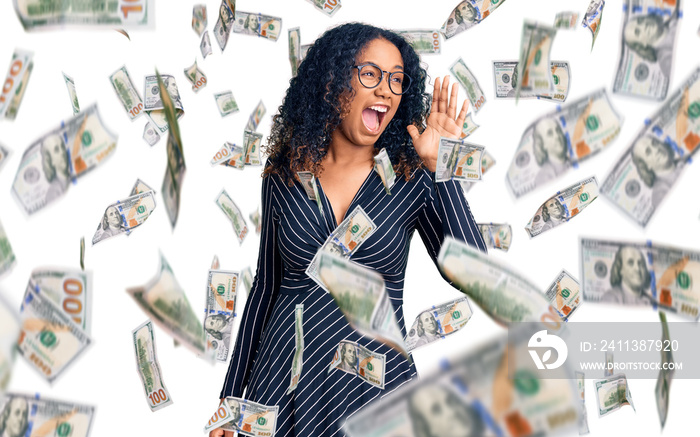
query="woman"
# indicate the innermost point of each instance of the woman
(339, 111)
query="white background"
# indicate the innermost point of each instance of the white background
(255, 68)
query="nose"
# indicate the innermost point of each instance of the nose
(383, 88)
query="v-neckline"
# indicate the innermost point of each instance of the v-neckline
(330, 204)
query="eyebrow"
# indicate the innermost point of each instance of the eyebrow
(372, 62)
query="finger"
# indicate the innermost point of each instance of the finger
(436, 93)
(452, 105)
(442, 101)
(228, 434)
(462, 114)
(413, 132)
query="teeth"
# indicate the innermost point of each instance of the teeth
(379, 108)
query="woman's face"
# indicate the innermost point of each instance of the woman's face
(113, 217)
(554, 209)
(54, 146)
(428, 323)
(371, 110)
(655, 154)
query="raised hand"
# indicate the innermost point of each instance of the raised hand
(441, 122)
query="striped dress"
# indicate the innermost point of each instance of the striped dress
(292, 231)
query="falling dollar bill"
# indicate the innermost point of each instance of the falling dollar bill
(140, 187)
(505, 79)
(593, 17)
(647, 48)
(298, 359)
(150, 134)
(247, 279)
(165, 302)
(583, 413)
(500, 291)
(255, 117)
(468, 127)
(562, 207)
(7, 255)
(609, 364)
(9, 332)
(4, 155)
(344, 241)
(222, 416)
(465, 78)
(534, 67)
(496, 236)
(154, 106)
(467, 14)
(308, 181)
(458, 160)
(328, 7)
(63, 154)
(196, 77)
(229, 207)
(253, 23)
(127, 93)
(252, 142)
(205, 45)
(565, 20)
(487, 161)
(148, 367)
(15, 83)
(82, 253)
(559, 140)
(437, 322)
(663, 382)
(125, 215)
(612, 394)
(256, 219)
(43, 15)
(362, 297)
(356, 359)
(234, 157)
(219, 311)
(226, 103)
(383, 167)
(49, 340)
(648, 169)
(250, 418)
(199, 18)
(303, 50)
(564, 294)
(294, 36)
(37, 416)
(70, 84)
(423, 41)
(224, 23)
(222, 155)
(70, 289)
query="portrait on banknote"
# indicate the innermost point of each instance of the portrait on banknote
(656, 164)
(14, 418)
(54, 162)
(629, 278)
(436, 411)
(462, 18)
(552, 214)
(427, 329)
(111, 225)
(651, 37)
(348, 356)
(217, 326)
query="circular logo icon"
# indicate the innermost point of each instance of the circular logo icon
(600, 269)
(505, 78)
(154, 90)
(456, 314)
(262, 421)
(565, 292)
(556, 79)
(641, 72)
(522, 159)
(370, 367)
(86, 138)
(220, 290)
(592, 123)
(683, 280)
(31, 176)
(47, 338)
(536, 218)
(141, 209)
(694, 110)
(526, 383)
(355, 228)
(64, 430)
(632, 188)
(583, 197)
(538, 57)
(470, 160)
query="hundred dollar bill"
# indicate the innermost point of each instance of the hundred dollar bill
(612, 394)
(15, 83)
(9, 332)
(465, 78)
(423, 41)
(138, 14)
(63, 154)
(534, 67)
(229, 207)
(499, 290)
(467, 14)
(474, 396)
(437, 322)
(308, 181)
(344, 241)
(328, 7)
(70, 84)
(565, 20)
(564, 294)
(199, 18)
(4, 155)
(148, 367)
(487, 161)
(205, 45)
(583, 414)
(303, 50)
(127, 93)
(224, 24)
(7, 255)
(356, 359)
(255, 117)
(362, 297)
(247, 279)
(251, 418)
(505, 78)
(150, 134)
(153, 100)
(496, 236)
(196, 77)
(559, 140)
(236, 157)
(253, 23)
(222, 155)
(82, 253)
(593, 17)
(251, 143)
(215, 263)
(219, 311)
(70, 289)
(226, 103)
(125, 215)
(663, 382)
(298, 360)
(468, 127)
(562, 207)
(647, 48)
(222, 416)
(37, 416)
(383, 167)
(458, 160)
(256, 219)
(294, 36)
(49, 340)
(609, 364)
(165, 302)
(648, 169)
(140, 187)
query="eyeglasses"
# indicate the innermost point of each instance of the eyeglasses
(371, 76)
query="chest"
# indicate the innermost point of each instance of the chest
(341, 187)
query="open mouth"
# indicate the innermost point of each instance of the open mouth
(373, 116)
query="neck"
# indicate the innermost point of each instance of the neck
(342, 152)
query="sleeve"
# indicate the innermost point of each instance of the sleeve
(446, 212)
(261, 298)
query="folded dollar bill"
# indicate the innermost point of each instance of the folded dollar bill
(468, 14)
(468, 127)
(150, 134)
(154, 106)
(437, 322)
(294, 37)
(250, 418)
(487, 161)
(383, 167)
(612, 394)
(70, 84)
(125, 215)
(219, 311)
(247, 279)
(565, 20)
(467, 79)
(224, 23)
(70, 289)
(35, 415)
(148, 367)
(196, 77)
(199, 18)
(356, 359)
(255, 117)
(328, 7)
(15, 83)
(593, 17)
(663, 382)
(222, 416)
(229, 207)
(308, 181)
(534, 73)
(564, 294)
(52, 14)
(4, 155)
(205, 45)
(423, 41)
(252, 23)
(583, 413)
(252, 141)
(496, 236)
(7, 256)
(256, 219)
(9, 332)
(458, 160)
(505, 79)
(298, 359)
(127, 93)
(226, 103)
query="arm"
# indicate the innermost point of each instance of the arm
(263, 294)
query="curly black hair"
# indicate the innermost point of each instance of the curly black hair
(320, 95)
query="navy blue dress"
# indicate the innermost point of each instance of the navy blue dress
(292, 231)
